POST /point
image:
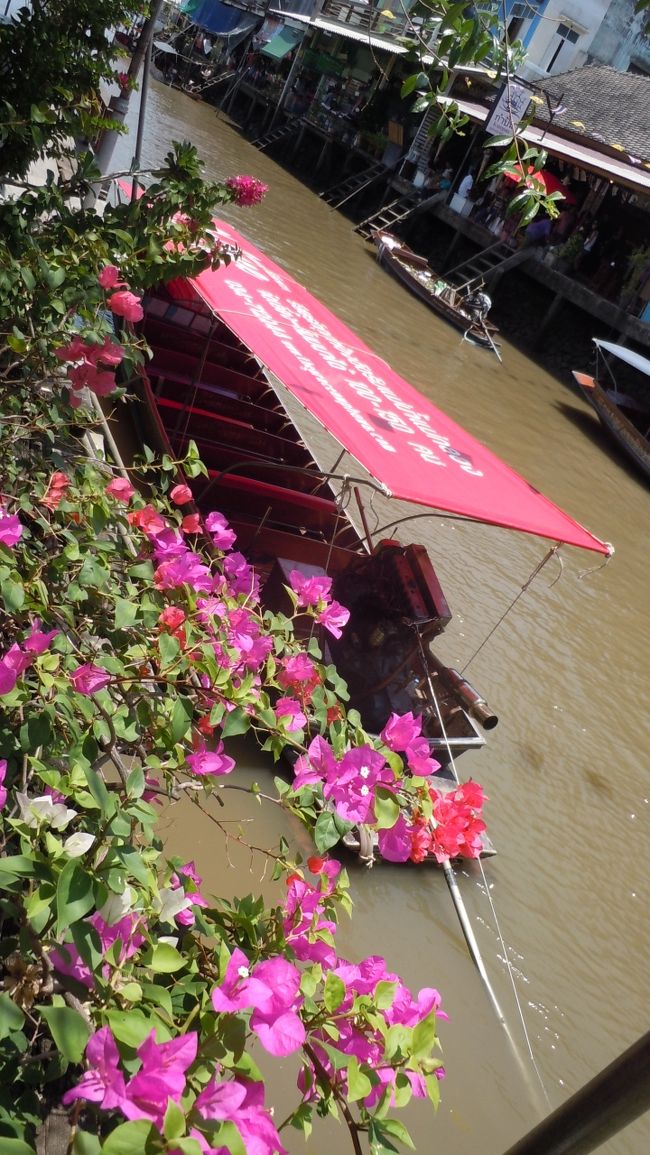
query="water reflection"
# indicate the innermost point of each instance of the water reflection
(567, 673)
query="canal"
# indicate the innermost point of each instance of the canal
(566, 900)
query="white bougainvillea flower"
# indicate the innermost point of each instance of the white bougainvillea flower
(78, 844)
(42, 811)
(117, 906)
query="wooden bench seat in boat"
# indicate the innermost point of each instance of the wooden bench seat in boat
(184, 367)
(214, 402)
(191, 317)
(167, 336)
(278, 506)
(219, 433)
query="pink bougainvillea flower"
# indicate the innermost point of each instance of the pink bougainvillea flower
(318, 765)
(352, 788)
(110, 353)
(458, 826)
(88, 376)
(126, 304)
(395, 844)
(10, 529)
(210, 762)
(181, 494)
(37, 642)
(237, 990)
(12, 665)
(241, 576)
(334, 617)
(121, 489)
(147, 519)
(246, 190)
(289, 709)
(3, 788)
(242, 1103)
(191, 523)
(172, 617)
(104, 1082)
(74, 351)
(89, 679)
(400, 730)
(161, 1077)
(310, 590)
(109, 278)
(57, 487)
(419, 760)
(222, 535)
(124, 930)
(275, 1020)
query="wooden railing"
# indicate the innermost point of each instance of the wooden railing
(364, 18)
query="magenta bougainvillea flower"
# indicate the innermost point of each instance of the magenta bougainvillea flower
(242, 1103)
(289, 710)
(213, 762)
(247, 190)
(334, 617)
(400, 730)
(161, 1077)
(272, 991)
(3, 788)
(125, 931)
(103, 1082)
(352, 788)
(419, 760)
(310, 590)
(89, 679)
(222, 535)
(10, 529)
(125, 304)
(121, 489)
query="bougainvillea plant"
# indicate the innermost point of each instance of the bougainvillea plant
(135, 1008)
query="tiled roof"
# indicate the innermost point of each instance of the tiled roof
(608, 106)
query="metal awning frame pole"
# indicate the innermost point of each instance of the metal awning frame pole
(617, 1096)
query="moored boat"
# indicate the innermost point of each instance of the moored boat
(451, 303)
(224, 348)
(625, 416)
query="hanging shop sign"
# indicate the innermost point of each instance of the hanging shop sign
(508, 109)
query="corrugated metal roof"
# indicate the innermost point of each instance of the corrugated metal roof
(580, 154)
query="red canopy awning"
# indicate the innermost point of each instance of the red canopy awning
(548, 181)
(415, 451)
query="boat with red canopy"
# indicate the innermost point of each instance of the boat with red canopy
(224, 347)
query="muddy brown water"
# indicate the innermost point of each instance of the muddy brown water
(568, 673)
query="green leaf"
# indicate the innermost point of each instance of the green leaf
(125, 613)
(396, 1130)
(130, 1139)
(129, 1027)
(329, 830)
(74, 895)
(36, 731)
(69, 1030)
(188, 1146)
(384, 995)
(359, 1085)
(11, 1016)
(18, 866)
(164, 959)
(16, 1147)
(334, 992)
(181, 718)
(237, 722)
(85, 1144)
(92, 574)
(174, 1121)
(386, 808)
(13, 595)
(424, 1038)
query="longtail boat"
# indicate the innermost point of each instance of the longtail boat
(447, 300)
(626, 417)
(225, 346)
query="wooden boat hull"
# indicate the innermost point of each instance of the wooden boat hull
(409, 269)
(626, 435)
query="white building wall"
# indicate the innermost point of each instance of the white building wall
(621, 40)
(549, 53)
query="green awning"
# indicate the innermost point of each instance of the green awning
(283, 42)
